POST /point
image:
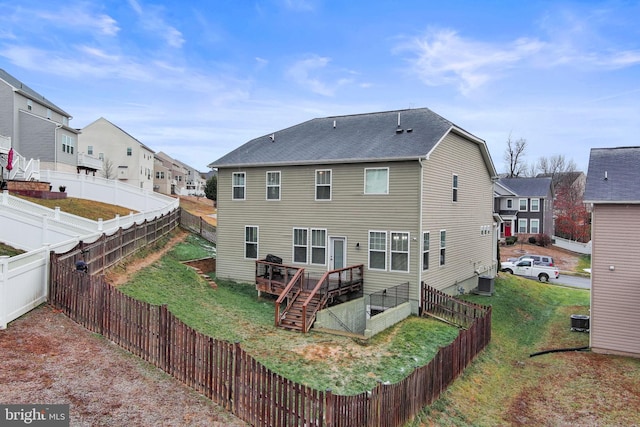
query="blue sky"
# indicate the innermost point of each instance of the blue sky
(197, 79)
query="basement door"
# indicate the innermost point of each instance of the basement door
(337, 253)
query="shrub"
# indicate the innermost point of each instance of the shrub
(511, 240)
(532, 240)
(543, 240)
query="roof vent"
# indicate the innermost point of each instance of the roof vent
(272, 137)
(605, 176)
(409, 130)
(399, 130)
(334, 124)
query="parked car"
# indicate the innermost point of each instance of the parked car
(528, 268)
(537, 259)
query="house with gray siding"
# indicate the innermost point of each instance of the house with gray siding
(613, 194)
(407, 194)
(525, 206)
(37, 128)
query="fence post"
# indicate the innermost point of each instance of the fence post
(4, 270)
(235, 386)
(163, 332)
(329, 408)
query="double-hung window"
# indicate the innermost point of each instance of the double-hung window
(238, 185)
(318, 246)
(509, 203)
(273, 185)
(425, 250)
(443, 246)
(323, 184)
(251, 242)
(300, 245)
(534, 225)
(535, 205)
(454, 188)
(376, 181)
(377, 250)
(522, 225)
(523, 205)
(399, 251)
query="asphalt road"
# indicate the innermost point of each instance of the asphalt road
(573, 281)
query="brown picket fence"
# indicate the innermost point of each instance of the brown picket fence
(230, 377)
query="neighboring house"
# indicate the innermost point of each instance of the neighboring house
(130, 160)
(39, 129)
(613, 193)
(193, 181)
(162, 174)
(525, 206)
(407, 194)
(178, 173)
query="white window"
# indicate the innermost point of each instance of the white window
(535, 205)
(318, 246)
(523, 205)
(534, 224)
(29, 104)
(90, 150)
(443, 246)
(425, 250)
(323, 184)
(101, 156)
(454, 187)
(238, 185)
(376, 181)
(509, 203)
(300, 245)
(399, 251)
(251, 242)
(129, 151)
(378, 250)
(48, 113)
(522, 225)
(273, 185)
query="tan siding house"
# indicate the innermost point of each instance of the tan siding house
(361, 189)
(613, 193)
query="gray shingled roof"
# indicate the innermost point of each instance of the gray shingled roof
(30, 93)
(527, 187)
(352, 138)
(613, 175)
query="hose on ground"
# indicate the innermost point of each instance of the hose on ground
(558, 350)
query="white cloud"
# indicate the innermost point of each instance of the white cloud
(152, 21)
(314, 73)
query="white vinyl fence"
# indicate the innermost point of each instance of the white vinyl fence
(573, 246)
(39, 230)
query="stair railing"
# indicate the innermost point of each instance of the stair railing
(293, 289)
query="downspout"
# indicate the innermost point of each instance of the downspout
(55, 147)
(420, 230)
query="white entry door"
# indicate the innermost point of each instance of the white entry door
(337, 253)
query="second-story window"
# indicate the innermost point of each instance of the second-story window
(376, 181)
(29, 104)
(454, 188)
(535, 205)
(90, 150)
(238, 184)
(273, 185)
(129, 151)
(509, 203)
(323, 184)
(523, 205)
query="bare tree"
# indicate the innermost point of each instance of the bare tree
(514, 157)
(107, 168)
(555, 167)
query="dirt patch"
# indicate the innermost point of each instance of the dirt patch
(47, 359)
(565, 260)
(200, 206)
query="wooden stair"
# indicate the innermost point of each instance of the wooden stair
(291, 319)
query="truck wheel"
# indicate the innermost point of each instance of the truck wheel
(508, 270)
(543, 277)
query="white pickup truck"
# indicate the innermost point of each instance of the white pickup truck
(526, 267)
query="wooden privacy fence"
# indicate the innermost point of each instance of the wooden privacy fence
(197, 225)
(230, 377)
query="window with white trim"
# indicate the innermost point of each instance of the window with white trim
(238, 185)
(535, 205)
(251, 242)
(376, 181)
(399, 251)
(534, 225)
(29, 104)
(377, 250)
(443, 246)
(300, 245)
(90, 150)
(425, 250)
(522, 207)
(509, 203)
(522, 225)
(318, 246)
(129, 151)
(454, 188)
(323, 184)
(273, 185)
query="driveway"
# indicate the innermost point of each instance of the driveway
(573, 281)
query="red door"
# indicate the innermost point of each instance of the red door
(507, 229)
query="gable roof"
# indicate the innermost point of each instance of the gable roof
(30, 93)
(121, 130)
(384, 136)
(613, 175)
(527, 187)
